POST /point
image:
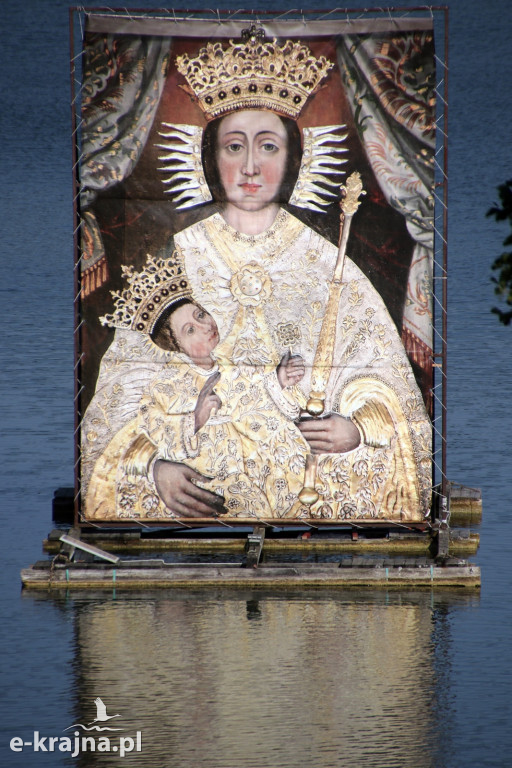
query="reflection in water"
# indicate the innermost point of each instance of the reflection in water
(337, 679)
(444, 712)
(253, 609)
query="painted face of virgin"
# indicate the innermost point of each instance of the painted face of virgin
(195, 331)
(252, 149)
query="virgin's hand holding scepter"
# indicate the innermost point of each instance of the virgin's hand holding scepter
(334, 433)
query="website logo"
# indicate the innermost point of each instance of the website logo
(101, 717)
(80, 742)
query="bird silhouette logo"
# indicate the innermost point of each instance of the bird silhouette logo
(101, 717)
(101, 712)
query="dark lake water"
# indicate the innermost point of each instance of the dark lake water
(215, 679)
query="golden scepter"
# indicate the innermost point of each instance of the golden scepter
(322, 363)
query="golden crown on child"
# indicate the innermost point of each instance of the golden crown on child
(160, 283)
(253, 75)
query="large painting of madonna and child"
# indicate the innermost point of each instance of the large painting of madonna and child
(256, 248)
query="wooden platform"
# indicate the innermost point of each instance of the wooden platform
(350, 572)
(463, 542)
(374, 554)
(465, 505)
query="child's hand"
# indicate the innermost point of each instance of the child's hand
(207, 400)
(290, 370)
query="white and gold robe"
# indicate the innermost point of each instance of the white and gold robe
(250, 447)
(268, 294)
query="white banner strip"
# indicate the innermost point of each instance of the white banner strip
(171, 26)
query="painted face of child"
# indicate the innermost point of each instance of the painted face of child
(196, 332)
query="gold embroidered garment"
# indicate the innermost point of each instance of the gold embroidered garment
(255, 455)
(250, 447)
(371, 381)
(268, 294)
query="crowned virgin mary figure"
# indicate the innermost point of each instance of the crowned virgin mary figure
(266, 278)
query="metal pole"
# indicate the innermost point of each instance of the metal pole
(76, 271)
(445, 267)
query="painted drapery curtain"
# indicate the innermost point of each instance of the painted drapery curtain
(268, 293)
(122, 84)
(391, 82)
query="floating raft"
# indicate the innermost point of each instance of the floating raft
(248, 567)
(423, 556)
(350, 572)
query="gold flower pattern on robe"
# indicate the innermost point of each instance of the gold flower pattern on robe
(279, 305)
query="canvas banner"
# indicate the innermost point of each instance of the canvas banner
(256, 251)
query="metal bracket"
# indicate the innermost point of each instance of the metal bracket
(442, 543)
(254, 546)
(441, 525)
